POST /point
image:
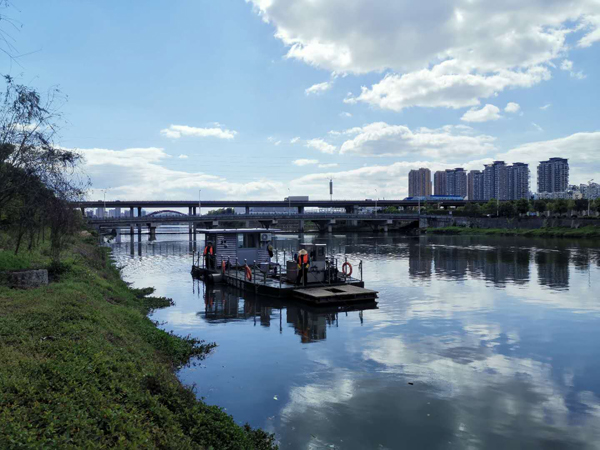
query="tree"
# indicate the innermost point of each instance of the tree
(581, 204)
(522, 206)
(540, 206)
(28, 126)
(472, 209)
(490, 208)
(507, 209)
(559, 206)
(391, 210)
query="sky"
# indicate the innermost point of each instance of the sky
(260, 99)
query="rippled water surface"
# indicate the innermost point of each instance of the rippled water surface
(475, 343)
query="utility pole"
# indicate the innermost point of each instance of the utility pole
(589, 194)
(104, 208)
(199, 202)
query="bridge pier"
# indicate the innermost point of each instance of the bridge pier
(300, 209)
(301, 227)
(152, 232)
(247, 210)
(325, 225)
(194, 211)
(131, 212)
(131, 240)
(83, 212)
(139, 208)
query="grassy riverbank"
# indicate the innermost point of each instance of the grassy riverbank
(81, 366)
(584, 232)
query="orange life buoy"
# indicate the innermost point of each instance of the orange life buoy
(248, 273)
(223, 266)
(345, 266)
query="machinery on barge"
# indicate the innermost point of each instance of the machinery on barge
(245, 258)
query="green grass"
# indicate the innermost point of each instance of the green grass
(583, 232)
(81, 366)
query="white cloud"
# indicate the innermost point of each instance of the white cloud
(318, 88)
(321, 145)
(327, 166)
(451, 52)
(567, 66)
(537, 127)
(183, 156)
(177, 131)
(305, 162)
(488, 112)
(137, 173)
(512, 107)
(580, 148)
(294, 140)
(444, 85)
(390, 180)
(546, 106)
(381, 139)
(345, 114)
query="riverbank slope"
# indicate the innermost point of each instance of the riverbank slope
(81, 366)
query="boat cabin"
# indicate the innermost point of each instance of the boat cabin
(239, 246)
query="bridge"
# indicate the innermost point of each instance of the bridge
(350, 206)
(323, 220)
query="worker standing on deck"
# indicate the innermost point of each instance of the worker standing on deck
(303, 264)
(209, 256)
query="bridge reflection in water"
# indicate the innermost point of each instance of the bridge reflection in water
(224, 304)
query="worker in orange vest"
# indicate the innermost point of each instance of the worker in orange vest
(209, 256)
(303, 264)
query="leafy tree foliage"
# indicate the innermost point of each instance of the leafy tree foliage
(507, 209)
(38, 179)
(522, 206)
(540, 206)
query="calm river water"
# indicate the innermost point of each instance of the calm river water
(476, 342)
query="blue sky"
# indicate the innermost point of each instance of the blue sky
(261, 98)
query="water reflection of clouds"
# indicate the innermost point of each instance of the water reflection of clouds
(487, 333)
(500, 397)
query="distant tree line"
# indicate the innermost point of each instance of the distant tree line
(221, 211)
(513, 208)
(38, 178)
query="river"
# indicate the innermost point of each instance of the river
(476, 342)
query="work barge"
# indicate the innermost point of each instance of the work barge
(245, 259)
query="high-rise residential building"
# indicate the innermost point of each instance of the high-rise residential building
(553, 175)
(518, 181)
(419, 182)
(450, 182)
(456, 182)
(460, 182)
(495, 181)
(439, 183)
(475, 185)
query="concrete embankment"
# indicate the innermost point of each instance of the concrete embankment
(509, 223)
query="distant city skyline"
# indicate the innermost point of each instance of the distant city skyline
(251, 99)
